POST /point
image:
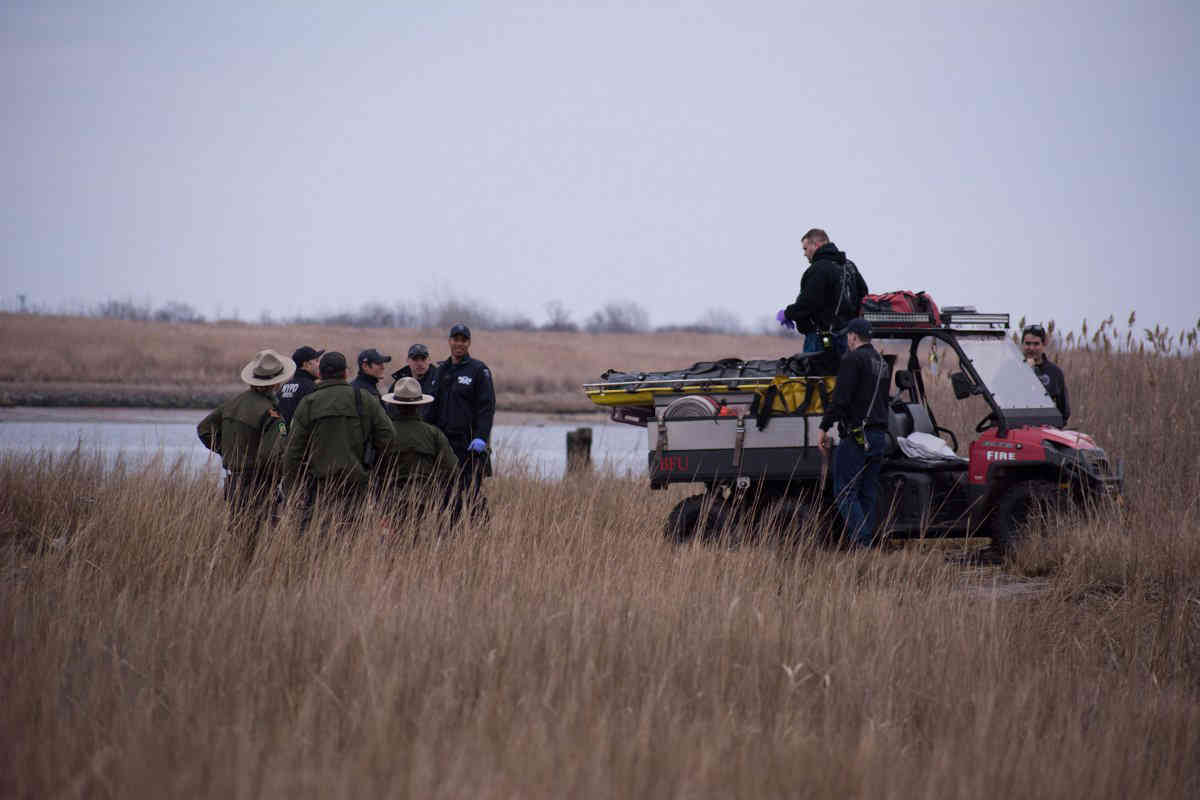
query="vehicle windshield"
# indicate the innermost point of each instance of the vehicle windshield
(1010, 380)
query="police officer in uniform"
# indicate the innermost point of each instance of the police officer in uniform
(463, 408)
(335, 433)
(371, 368)
(304, 381)
(248, 432)
(859, 407)
(418, 367)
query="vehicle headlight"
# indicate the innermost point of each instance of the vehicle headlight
(1057, 453)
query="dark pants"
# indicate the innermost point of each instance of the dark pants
(333, 497)
(250, 495)
(856, 485)
(465, 492)
(812, 344)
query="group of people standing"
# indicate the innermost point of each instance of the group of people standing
(304, 428)
(302, 425)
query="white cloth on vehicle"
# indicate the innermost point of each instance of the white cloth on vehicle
(927, 447)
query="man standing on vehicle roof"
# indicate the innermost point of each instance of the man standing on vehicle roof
(302, 383)
(463, 408)
(417, 367)
(859, 407)
(831, 293)
(370, 369)
(1033, 343)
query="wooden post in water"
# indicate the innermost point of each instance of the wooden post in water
(579, 450)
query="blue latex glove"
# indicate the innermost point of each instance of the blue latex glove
(781, 317)
(477, 446)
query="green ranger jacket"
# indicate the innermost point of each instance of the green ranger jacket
(419, 452)
(330, 431)
(246, 431)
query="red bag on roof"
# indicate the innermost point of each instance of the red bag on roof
(902, 301)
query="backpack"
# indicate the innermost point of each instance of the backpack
(848, 300)
(902, 301)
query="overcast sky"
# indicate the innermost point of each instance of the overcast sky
(1037, 158)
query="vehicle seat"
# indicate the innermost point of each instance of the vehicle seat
(921, 423)
(903, 419)
(899, 424)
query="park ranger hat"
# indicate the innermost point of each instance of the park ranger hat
(267, 369)
(407, 393)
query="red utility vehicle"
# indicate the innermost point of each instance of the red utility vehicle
(760, 471)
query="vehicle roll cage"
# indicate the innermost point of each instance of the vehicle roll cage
(914, 327)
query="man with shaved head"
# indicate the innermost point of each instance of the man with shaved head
(831, 293)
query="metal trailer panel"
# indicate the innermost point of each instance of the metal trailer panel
(721, 449)
(721, 433)
(796, 465)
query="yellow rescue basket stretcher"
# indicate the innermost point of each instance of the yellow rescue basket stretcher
(788, 394)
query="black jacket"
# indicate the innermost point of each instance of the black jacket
(1056, 386)
(428, 386)
(465, 401)
(861, 393)
(831, 292)
(292, 392)
(365, 382)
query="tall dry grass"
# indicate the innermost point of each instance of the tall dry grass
(75, 350)
(567, 650)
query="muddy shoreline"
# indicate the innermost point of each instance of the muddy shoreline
(113, 395)
(142, 415)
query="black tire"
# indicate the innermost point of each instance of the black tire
(683, 519)
(1023, 506)
(690, 517)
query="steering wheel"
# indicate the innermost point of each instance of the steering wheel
(986, 422)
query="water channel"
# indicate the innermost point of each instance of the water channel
(519, 441)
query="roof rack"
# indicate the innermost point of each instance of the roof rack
(975, 320)
(897, 318)
(963, 320)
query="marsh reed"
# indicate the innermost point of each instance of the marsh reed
(568, 650)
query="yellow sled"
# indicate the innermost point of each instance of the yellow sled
(807, 395)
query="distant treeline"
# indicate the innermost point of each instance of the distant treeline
(612, 317)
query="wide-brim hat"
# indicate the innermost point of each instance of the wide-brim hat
(267, 369)
(407, 392)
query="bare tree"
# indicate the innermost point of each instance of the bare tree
(178, 312)
(618, 317)
(123, 309)
(558, 318)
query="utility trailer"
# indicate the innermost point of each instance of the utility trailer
(747, 431)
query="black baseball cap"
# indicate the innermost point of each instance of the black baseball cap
(332, 363)
(373, 356)
(460, 330)
(858, 326)
(418, 351)
(305, 353)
